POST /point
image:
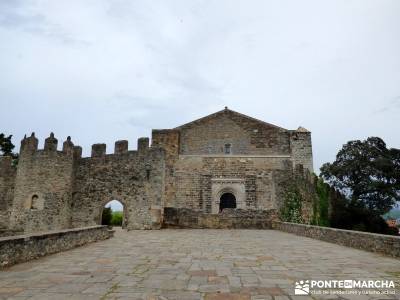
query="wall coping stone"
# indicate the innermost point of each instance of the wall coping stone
(388, 245)
(44, 234)
(343, 230)
(22, 248)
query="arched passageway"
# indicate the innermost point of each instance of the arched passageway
(227, 200)
(113, 214)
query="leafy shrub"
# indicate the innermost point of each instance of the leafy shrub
(291, 209)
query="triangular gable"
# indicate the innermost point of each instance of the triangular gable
(224, 112)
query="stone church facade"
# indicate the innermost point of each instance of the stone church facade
(224, 160)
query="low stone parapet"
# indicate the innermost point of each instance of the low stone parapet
(229, 218)
(8, 232)
(385, 244)
(22, 248)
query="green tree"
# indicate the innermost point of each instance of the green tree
(116, 219)
(6, 146)
(367, 173)
(106, 216)
(347, 216)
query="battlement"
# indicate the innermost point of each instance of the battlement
(121, 148)
(29, 146)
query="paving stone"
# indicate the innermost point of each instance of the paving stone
(203, 273)
(234, 281)
(226, 296)
(224, 271)
(193, 264)
(281, 298)
(208, 288)
(51, 296)
(9, 291)
(68, 288)
(261, 297)
(217, 279)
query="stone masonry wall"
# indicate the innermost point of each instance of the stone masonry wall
(301, 181)
(186, 167)
(246, 136)
(60, 189)
(194, 176)
(229, 218)
(383, 244)
(7, 182)
(42, 196)
(23, 248)
(301, 149)
(168, 139)
(135, 178)
(197, 161)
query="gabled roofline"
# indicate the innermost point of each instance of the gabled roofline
(231, 111)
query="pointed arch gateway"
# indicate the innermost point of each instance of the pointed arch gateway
(113, 213)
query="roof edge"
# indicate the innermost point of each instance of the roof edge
(226, 109)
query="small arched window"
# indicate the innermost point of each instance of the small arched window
(34, 202)
(227, 200)
(228, 148)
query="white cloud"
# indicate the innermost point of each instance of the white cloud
(104, 70)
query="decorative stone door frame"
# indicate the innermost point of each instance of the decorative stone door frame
(220, 186)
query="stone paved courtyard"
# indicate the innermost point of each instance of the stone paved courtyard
(193, 264)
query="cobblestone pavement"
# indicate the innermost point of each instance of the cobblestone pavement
(193, 264)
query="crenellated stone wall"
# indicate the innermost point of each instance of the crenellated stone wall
(43, 184)
(191, 166)
(135, 178)
(52, 189)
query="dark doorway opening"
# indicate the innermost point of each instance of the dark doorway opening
(227, 200)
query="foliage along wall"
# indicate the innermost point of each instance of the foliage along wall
(306, 200)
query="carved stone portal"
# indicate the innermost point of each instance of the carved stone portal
(220, 186)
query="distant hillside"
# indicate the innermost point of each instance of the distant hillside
(393, 214)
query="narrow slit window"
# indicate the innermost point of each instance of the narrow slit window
(228, 148)
(148, 169)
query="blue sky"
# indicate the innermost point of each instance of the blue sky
(115, 205)
(101, 71)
